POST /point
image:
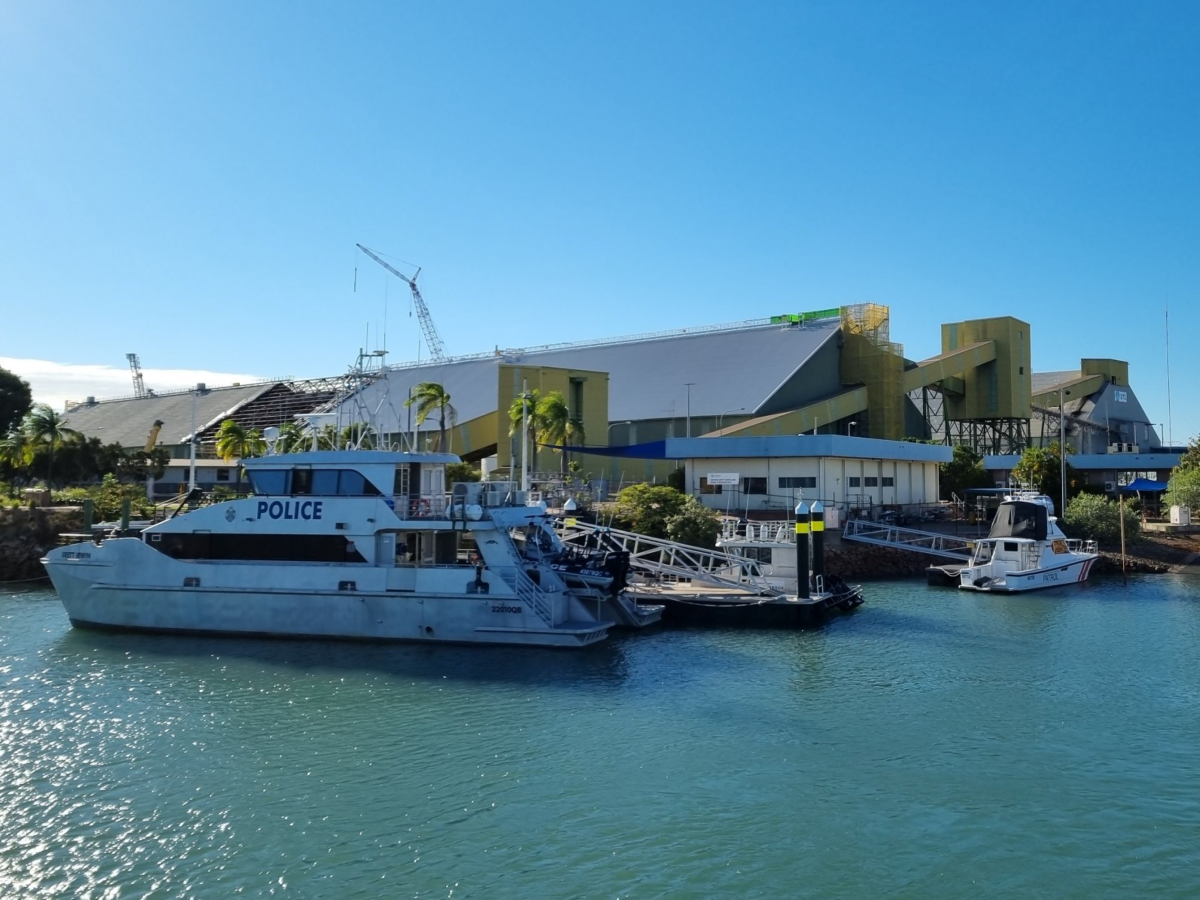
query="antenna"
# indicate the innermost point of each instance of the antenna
(1170, 422)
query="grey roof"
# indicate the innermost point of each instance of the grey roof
(1048, 381)
(128, 421)
(648, 377)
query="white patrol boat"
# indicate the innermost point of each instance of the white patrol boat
(1025, 550)
(343, 544)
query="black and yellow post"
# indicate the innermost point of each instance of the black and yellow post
(802, 550)
(818, 544)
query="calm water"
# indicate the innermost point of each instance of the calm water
(934, 744)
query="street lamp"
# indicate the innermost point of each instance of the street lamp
(610, 428)
(689, 385)
(721, 418)
(850, 425)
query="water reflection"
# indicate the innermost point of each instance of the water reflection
(581, 669)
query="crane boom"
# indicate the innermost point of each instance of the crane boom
(427, 327)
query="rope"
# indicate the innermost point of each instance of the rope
(25, 580)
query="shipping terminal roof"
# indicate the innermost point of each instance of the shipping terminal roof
(733, 366)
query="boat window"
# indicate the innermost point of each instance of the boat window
(1011, 546)
(354, 484)
(301, 481)
(269, 481)
(325, 482)
(983, 552)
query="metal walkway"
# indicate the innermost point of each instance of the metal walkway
(946, 546)
(667, 560)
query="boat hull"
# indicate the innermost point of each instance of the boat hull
(766, 613)
(1073, 572)
(103, 590)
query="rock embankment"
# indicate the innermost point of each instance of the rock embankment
(27, 534)
(854, 562)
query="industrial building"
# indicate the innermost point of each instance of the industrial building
(825, 372)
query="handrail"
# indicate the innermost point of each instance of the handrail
(928, 542)
(523, 586)
(659, 557)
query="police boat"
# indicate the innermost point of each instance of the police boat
(361, 544)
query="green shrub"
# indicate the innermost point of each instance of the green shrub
(695, 524)
(646, 508)
(1098, 518)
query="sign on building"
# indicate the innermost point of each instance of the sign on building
(725, 479)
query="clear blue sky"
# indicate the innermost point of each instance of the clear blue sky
(188, 181)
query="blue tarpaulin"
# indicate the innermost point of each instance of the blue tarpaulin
(651, 450)
(1145, 484)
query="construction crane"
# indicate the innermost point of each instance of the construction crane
(139, 383)
(431, 336)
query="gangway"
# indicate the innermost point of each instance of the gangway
(661, 559)
(929, 542)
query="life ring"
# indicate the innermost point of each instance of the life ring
(422, 507)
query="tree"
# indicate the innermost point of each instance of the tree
(524, 409)
(45, 426)
(694, 524)
(1184, 488)
(429, 396)
(964, 471)
(292, 438)
(1040, 469)
(461, 471)
(14, 457)
(1191, 457)
(554, 419)
(1096, 517)
(236, 442)
(647, 509)
(16, 399)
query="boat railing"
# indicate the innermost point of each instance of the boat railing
(1078, 545)
(525, 589)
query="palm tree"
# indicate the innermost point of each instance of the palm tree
(554, 418)
(574, 434)
(428, 396)
(524, 409)
(15, 454)
(236, 442)
(44, 425)
(292, 438)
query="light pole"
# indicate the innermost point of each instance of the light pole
(610, 428)
(721, 418)
(689, 385)
(850, 425)
(1062, 451)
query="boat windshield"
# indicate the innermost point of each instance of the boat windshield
(309, 482)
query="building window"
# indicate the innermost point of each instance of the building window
(222, 474)
(853, 481)
(754, 485)
(803, 481)
(872, 481)
(706, 488)
(889, 481)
